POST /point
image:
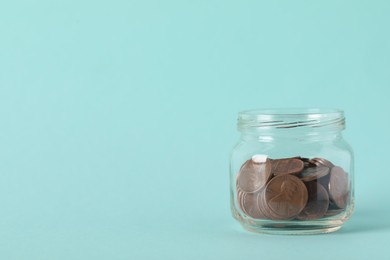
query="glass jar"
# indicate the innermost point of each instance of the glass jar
(291, 171)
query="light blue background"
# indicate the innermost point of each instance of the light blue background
(117, 119)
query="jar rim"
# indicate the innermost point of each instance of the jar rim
(285, 118)
(294, 111)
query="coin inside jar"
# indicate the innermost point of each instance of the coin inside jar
(250, 206)
(313, 173)
(285, 196)
(317, 204)
(338, 187)
(253, 175)
(313, 193)
(262, 205)
(321, 161)
(287, 166)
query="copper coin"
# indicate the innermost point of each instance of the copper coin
(286, 196)
(253, 176)
(317, 204)
(265, 211)
(338, 187)
(268, 212)
(250, 205)
(287, 166)
(313, 173)
(263, 206)
(321, 161)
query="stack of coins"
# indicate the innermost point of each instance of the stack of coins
(294, 188)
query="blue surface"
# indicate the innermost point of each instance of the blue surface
(118, 117)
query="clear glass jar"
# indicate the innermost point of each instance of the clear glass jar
(291, 171)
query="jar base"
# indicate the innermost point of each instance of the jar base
(291, 229)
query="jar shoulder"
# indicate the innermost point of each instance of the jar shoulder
(288, 148)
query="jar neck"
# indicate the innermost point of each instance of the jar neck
(291, 124)
(309, 137)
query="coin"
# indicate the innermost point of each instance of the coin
(250, 205)
(263, 207)
(285, 196)
(283, 189)
(286, 166)
(321, 161)
(267, 211)
(313, 173)
(338, 187)
(317, 204)
(253, 176)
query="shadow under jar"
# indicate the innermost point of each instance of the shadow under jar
(291, 171)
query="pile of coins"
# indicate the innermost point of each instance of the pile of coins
(294, 188)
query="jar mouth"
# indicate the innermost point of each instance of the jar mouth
(286, 118)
